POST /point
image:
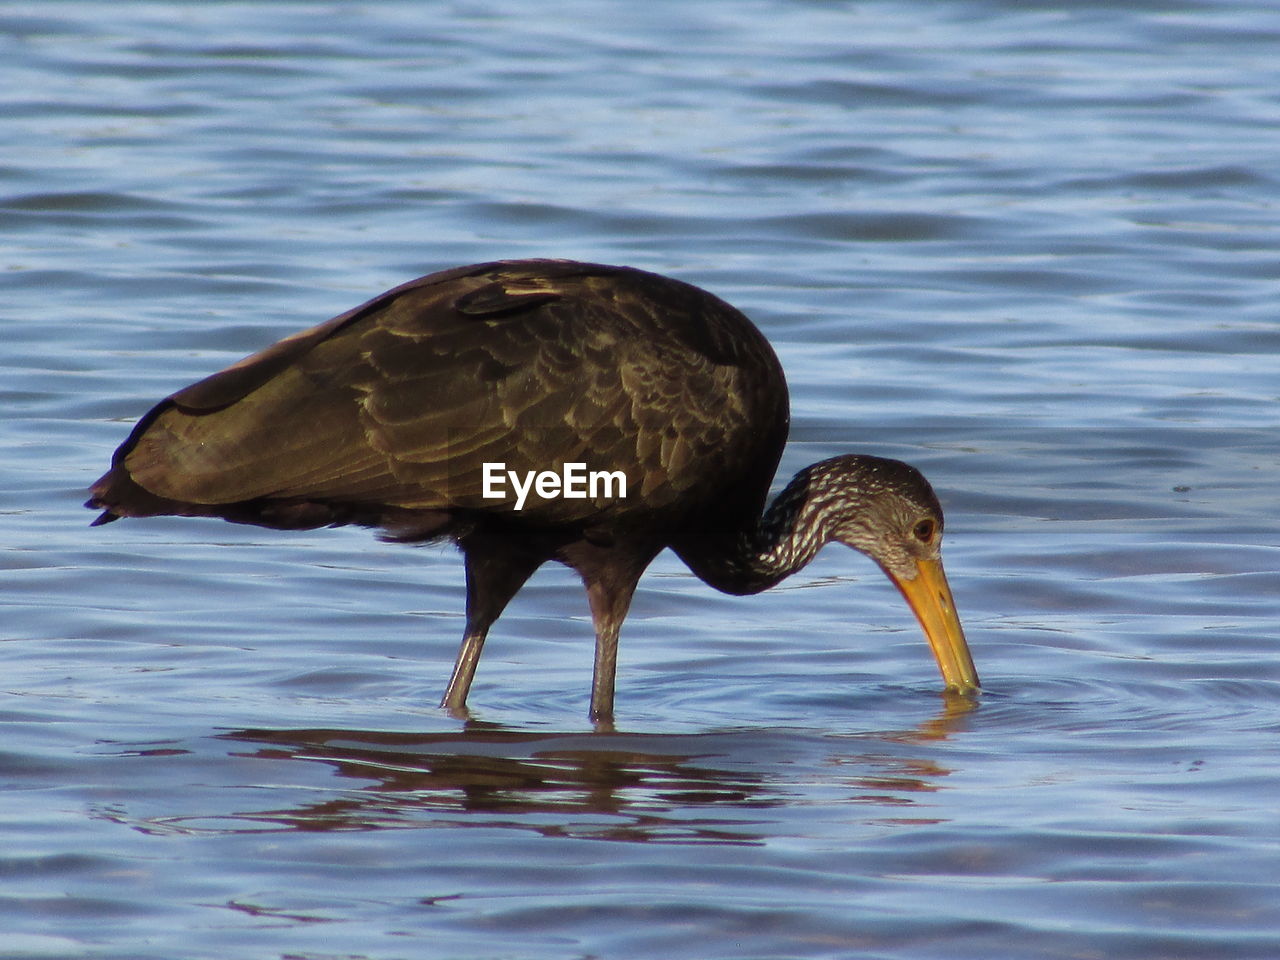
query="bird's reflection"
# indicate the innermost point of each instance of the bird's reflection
(715, 787)
(627, 788)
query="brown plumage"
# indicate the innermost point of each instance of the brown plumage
(386, 416)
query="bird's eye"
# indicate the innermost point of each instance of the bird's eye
(924, 530)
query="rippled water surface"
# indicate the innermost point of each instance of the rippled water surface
(1031, 248)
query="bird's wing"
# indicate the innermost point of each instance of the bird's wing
(403, 400)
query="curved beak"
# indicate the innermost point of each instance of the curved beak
(929, 596)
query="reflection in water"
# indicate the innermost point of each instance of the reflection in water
(625, 788)
(693, 788)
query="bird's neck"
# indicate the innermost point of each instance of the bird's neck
(755, 557)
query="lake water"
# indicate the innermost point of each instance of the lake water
(1030, 247)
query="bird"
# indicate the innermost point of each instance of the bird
(474, 404)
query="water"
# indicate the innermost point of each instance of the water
(1031, 248)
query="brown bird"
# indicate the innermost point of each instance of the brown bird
(536, 410)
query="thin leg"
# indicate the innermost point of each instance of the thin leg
(464, 671)
(604, 674)
(610, 597)
(493, 578)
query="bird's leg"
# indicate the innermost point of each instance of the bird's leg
(464, 670)
(610, 597)
(492, 580)
(604, 674)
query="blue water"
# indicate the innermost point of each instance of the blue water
(1031, 248)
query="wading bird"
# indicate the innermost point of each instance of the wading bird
(387, 416)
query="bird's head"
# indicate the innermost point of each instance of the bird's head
(887, 510)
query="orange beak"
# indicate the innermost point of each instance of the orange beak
(929, 596)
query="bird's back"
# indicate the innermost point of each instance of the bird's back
(388, 414)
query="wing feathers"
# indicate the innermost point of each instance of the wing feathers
(401, 401)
